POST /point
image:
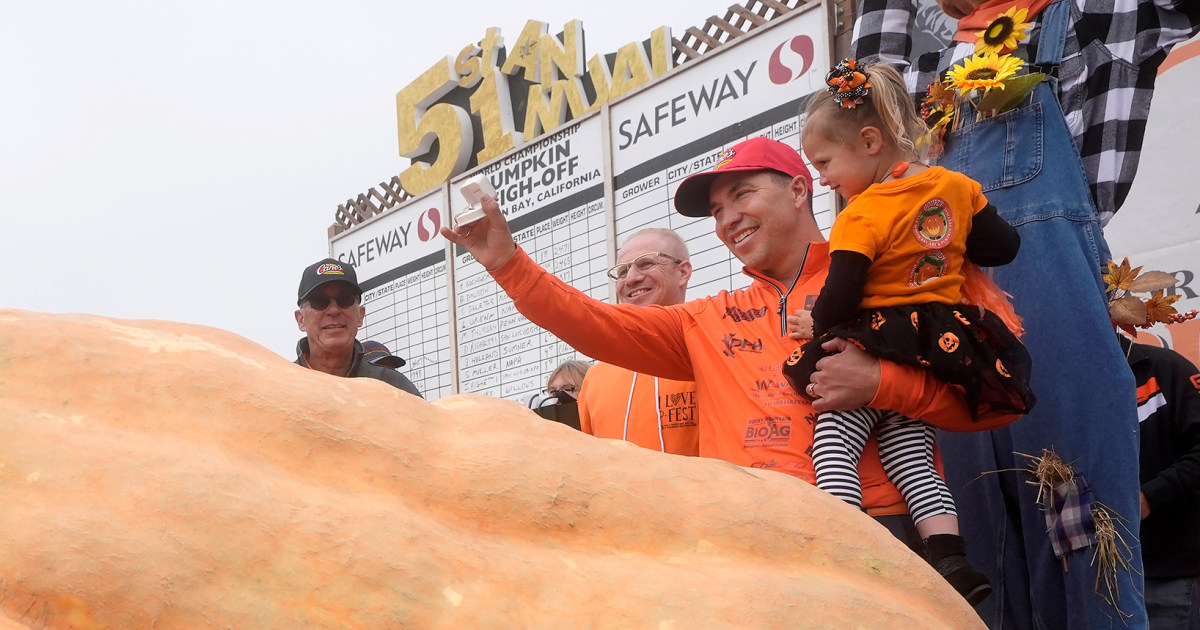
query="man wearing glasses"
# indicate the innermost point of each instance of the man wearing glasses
(652, 412)
(733, 344)
(329, 315)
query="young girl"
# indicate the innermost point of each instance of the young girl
(898, 257)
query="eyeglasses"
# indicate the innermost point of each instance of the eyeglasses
(321, 302)
(642, 263)
(566, 389)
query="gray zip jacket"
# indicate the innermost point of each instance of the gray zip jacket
(364, 369)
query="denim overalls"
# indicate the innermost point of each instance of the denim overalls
(1030, 170)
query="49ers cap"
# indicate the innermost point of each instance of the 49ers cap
(755, 154)
(323, 272)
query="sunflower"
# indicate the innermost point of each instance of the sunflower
(939, 120)
(1004, 33)
(937, 117)
(939, 123)
(983, 71)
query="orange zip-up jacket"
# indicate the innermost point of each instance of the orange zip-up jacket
(733, 346)
(652, 412)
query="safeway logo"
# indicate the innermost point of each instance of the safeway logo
(797, 52)
(434, 220)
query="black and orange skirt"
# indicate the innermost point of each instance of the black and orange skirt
(964, 346)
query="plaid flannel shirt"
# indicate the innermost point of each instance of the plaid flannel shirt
(1069, 519)
(1110, 60)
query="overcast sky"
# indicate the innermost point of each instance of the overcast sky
(173, 160)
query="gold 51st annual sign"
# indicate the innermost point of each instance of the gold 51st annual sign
(471, 104)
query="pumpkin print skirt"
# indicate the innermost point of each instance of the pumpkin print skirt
(964, 346)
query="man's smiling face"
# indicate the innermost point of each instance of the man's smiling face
(333, 328)
(656, 279)
(757, 219)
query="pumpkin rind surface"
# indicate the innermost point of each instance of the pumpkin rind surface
(165, 475)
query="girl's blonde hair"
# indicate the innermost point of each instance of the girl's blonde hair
(887, 107)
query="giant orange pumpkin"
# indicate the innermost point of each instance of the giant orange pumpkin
(163, 475)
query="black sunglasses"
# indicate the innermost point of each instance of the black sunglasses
(321, 302)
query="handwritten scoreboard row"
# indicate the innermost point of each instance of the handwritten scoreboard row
(566, 196)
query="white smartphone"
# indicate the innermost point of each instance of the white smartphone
(473, 190)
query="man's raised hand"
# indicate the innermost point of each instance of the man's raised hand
(489, 239)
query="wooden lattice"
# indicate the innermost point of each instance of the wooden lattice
(377, 200)
(739, 19)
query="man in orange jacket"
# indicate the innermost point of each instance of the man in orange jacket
(733, 344)
(656, 413)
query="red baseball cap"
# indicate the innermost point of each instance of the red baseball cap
(755, 154)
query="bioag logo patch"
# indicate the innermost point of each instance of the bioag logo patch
(333, 269)
(769, 431)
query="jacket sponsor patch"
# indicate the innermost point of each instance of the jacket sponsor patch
(768, 431)
(748, 315)
(739, 344)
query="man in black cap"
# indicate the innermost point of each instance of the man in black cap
(330, 312)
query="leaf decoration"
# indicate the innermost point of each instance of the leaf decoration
(1127, 310)
(1013, 91)
(1151, 281)
(1159, 307)
(1120, 276)
(939, 95)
